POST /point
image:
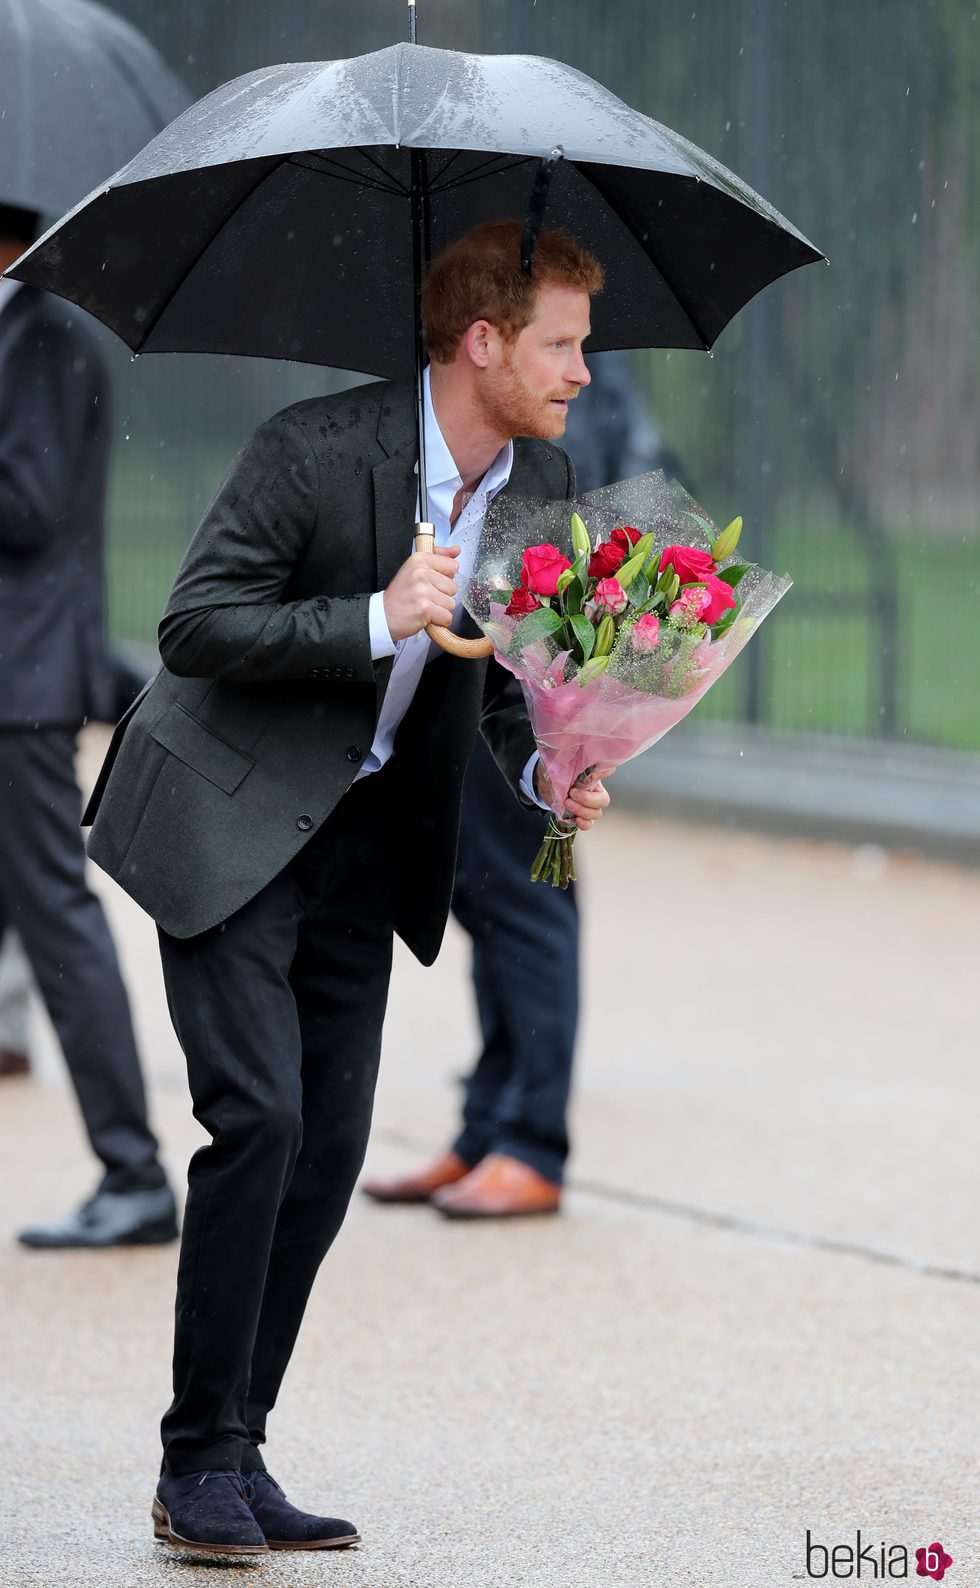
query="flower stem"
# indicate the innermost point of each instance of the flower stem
(554, 861)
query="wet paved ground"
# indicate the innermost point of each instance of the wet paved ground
(757, 1315)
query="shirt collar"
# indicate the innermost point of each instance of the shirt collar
(440, 465)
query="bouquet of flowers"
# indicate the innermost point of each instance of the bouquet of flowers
(617, 612)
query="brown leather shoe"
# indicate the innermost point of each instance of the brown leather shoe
(418, 1187)
(12, 1062)
(498, 1188)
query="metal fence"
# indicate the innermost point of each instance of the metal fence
(841, 410)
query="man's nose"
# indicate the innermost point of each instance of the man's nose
(581, 375)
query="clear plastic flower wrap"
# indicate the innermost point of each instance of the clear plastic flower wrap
(589, 709)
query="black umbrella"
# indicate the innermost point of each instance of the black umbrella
(289, 213)
(81, 91)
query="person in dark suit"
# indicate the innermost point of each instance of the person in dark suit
(508, 1159)
(16, 981)
(285, 796)
(55, 673)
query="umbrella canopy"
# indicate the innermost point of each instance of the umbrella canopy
(81, 91)
(274, 218)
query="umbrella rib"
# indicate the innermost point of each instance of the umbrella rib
(479, 174)
(398, 186)
(441, 173)
(324, 166)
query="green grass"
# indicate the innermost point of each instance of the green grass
(821, 666)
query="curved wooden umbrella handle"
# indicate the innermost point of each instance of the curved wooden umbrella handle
(455, 644)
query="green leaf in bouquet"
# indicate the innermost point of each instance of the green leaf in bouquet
(536, 626)
(564, 580)
(580, 568)
(581, 544)
(735, 573)
(574, 595)
(638, 593)
(605, 634)
(593, 669)
(666, 579)
(705, 523)
(584, 634)
(628, 570)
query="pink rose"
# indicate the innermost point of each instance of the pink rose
(609, 596)
(690, 564)
(605, 560)
(722, 598)
(691, 605)
(540, 569)
(521, 602)
(645, 633)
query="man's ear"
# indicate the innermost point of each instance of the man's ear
(477, 341)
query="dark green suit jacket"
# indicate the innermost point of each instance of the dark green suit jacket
(268, 698)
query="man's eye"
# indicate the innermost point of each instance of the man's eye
(559, 344)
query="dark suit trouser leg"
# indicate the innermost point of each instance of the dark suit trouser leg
(525, 973)
(45, 896)
(279, 1012)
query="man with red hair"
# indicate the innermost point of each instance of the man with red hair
(285, 797)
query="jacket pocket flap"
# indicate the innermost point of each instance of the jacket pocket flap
(199, 748)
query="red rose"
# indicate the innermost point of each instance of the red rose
(541, 567)
(722, 598)
(690, 564)
(606, 559)
(521, 602)
(626, 537)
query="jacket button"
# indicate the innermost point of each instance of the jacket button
(304, 823)
(354, 753)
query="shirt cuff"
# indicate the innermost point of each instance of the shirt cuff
(382, 643)
(527, 781)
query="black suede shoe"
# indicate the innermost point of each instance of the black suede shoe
(285, 1527)
(206, 1512)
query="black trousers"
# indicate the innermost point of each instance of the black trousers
(279, 1012)
(526, 977)
(45, 897)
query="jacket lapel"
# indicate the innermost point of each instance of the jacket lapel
(395, 483)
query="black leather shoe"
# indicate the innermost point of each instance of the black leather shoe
(206, 1512)
(285, 1527)
(111, 1218)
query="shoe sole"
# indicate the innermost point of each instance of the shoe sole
(164, 1534)
(151, 1235)
(475, 1214)
(319, 1543)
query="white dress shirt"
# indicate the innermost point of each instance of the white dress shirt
(443, 481)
